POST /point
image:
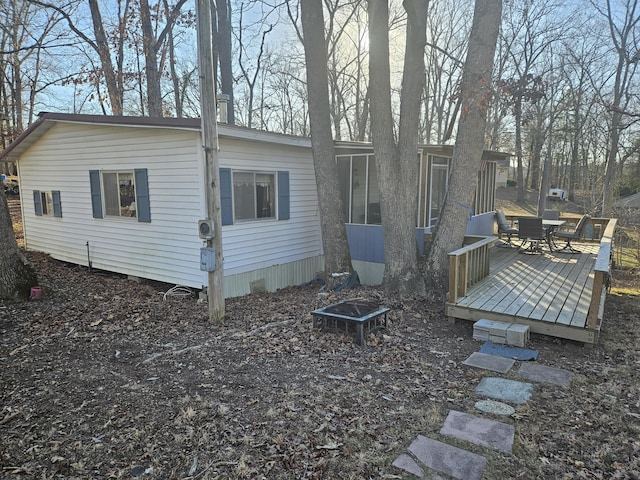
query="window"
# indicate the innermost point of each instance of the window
(123, 193)
(253, 195)
(119, 194)
(47, 203)
(250, 195)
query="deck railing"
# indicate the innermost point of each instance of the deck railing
(468, 265)
(601, 274)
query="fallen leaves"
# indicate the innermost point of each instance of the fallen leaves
(105, 379)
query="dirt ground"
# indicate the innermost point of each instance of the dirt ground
(106, 378)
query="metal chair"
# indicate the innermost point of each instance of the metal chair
(576, 234)
(551, 215)
(505, 228)
(530, 231)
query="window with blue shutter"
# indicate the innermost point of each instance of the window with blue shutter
(247, 195)
(122, 193)
(47, 203)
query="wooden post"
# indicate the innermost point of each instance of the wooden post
(215, 292)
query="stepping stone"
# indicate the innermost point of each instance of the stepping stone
(516, 353)
(481, 431)
(447, 459)
(494, 363)
(540, 373)
(496, 408)
(505, 390)
(408, 464)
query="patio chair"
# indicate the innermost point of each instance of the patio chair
(530, 231)
(576, 234)
(551, 215)
(505, 228)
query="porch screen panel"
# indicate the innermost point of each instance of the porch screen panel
(344, 181)
(359, 189)
(439, 176)
(484, 200)
(373, 200)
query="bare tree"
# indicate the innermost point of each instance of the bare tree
(575, 70)
(112, 75)
(624, 33)
(397, 161)
(334, 235)
(223, 51)
(151, 48)
(467, 154)
(531, 29)
(446, 43)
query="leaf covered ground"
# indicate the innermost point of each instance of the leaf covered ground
(107, 378)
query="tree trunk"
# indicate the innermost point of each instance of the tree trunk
(536, 156)
(518, 140)
(546, 169)
(154, 97)
(467, 154)
(397, 163)
(17, 275)
(609, 182)
(334, 235)
(223, 46)
(102, 46)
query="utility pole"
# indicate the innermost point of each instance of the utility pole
(213, 249)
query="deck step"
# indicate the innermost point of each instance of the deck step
(501, 332)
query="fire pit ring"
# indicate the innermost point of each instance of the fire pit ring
(362, 314)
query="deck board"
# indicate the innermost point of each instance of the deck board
(551, 291)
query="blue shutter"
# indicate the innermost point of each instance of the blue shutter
(143, 205)
(37, 202)
(283, 196)
(57, 204)
(96, 193)
(226, 192)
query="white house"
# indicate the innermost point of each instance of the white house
(125, 194)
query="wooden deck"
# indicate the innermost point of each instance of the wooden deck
(556, 294)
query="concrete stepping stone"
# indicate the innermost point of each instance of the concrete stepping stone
(505, 390)
(481, 431)
(543, 374)
(494, 363)
(447, 459)
(494, 407)
(408, 464)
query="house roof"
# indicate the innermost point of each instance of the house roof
(445, 150)
(630, 201)
(48, 119)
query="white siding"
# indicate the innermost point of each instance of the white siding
(168, 248)
(252, 245)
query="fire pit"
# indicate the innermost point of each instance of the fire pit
(347, 314)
